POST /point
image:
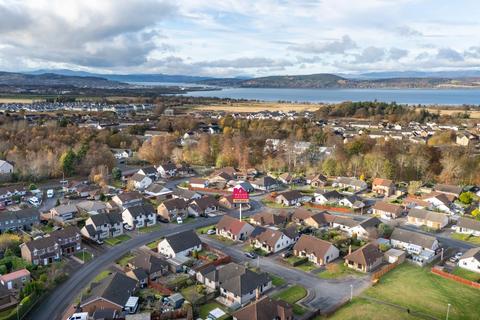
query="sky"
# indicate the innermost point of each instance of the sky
(239, 37)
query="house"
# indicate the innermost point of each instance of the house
(6, 168)
(150, 172)
(43, 251)
(316, 250)
(265, 184)
(186, 195)
(449, 189)
(157, 190)
(22, 219)
(383, 187)
(15, 280)
(180, 244)
(291, 198)
(422, 247)
(203, 206)
(227, 202)
(387, 210)
(470, 260)
(198, 183)
(287, 178)
(113, 293)
(394, 256)
(431, 219)
(7, 300)
(300, 215)
(233, 229)
(63, 212)
(102, 226)
(184, 170)
(140, 216)
(266, 218)
(270, 240)
(366, 229)
(319, 220)
(364, 259)
(91, 207)
(265, 309)
(120, 154)
(87, 190)
(167, 170)
(326, 197)
(237, 284)
(439, 201)
(468, 226)
(350, 183)
(128, 199)
(170, 209)
(140, 182)
(352, 201)
(153, 266)
(318, 181)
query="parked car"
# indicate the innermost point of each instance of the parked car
(34, 201)
(79, 316)
(287, 254)
(2, 207)
(50, 193)
(99, 242)
(179, 220)
(250, 255)
(127, 227)
(211, 231)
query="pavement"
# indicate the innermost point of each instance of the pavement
(323, 294)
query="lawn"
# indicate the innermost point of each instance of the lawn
(307, 266)
(102, 275)
(84, 256)
(273, 204)
(466, 274)
(292, 295)
(417, 289)
(117, 240)
(155, 227)
(277, 281)
(338, 270)
(190, 293)
(466, 237)
(204, 230)
(206, 308)
(123, 261)
(154, 244)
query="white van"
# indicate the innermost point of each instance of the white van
(79, 316)
(50, 193)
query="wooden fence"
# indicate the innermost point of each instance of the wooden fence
(453, 277)
(385, 269)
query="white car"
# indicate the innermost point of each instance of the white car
(34, 201)
(79, 316)
(211, 231)
(127, 227)
(50, 193)
(179, 220)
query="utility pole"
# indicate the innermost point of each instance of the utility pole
(448, 310)
(240, 211)
(351, 292)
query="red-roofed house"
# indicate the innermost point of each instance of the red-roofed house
(234, 229)
(15, 280)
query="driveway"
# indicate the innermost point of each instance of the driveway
(323, 294)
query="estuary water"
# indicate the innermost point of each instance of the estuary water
(403, 96)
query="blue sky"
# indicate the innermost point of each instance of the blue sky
(239, 37)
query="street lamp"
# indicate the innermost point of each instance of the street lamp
(18, 306)
(448, 310)
(351, 292)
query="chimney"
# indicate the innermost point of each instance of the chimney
(257, 294)
(349, 249)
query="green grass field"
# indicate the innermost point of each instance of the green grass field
(204, 230)
(123, 261)
(206, 308)
(466, 238)
(277, 281)
(102, 275)
(84, 257)
(417, 289)
(337, 271)
(117, 240)
(292, 295)
(153, 244)
(150, 228)
(467, 274)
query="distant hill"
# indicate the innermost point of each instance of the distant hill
(126, 77)
(331, 81)
(454, 74)
(56, 80)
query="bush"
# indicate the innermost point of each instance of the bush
(299, 261)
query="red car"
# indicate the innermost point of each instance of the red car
(2, 207)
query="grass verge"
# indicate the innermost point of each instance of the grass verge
(117, 240)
